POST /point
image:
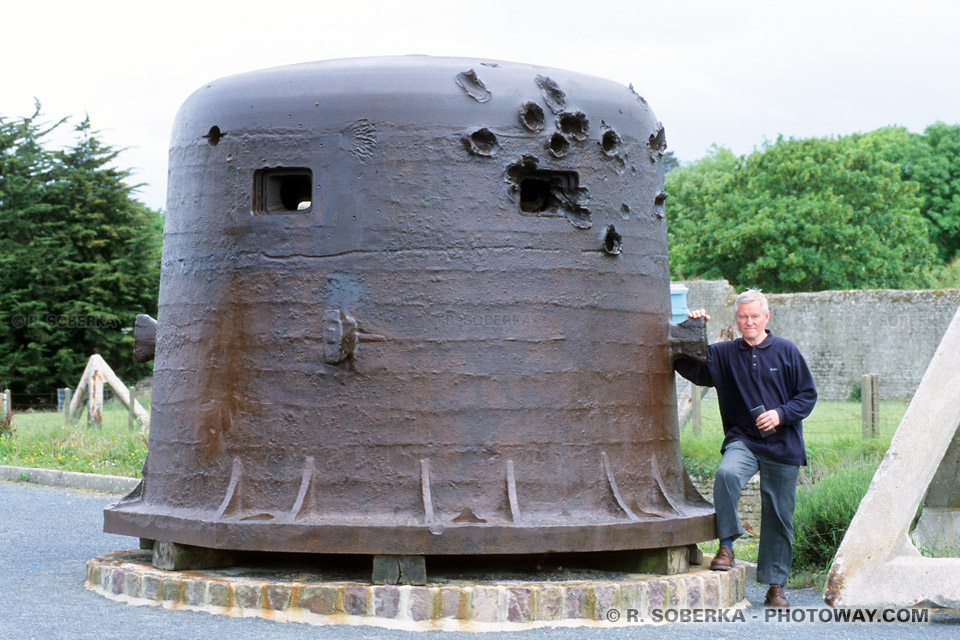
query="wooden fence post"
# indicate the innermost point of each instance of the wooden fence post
(7, 403)
(95, 401)
(696, 416)
(870, 404)
(67, 397)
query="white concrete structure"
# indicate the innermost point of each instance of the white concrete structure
(877, 564)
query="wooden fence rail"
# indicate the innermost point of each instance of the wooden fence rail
(95, 375)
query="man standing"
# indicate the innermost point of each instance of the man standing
(765, 391)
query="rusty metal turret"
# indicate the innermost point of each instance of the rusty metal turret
(415, 305)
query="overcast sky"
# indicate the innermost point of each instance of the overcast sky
(725, 71)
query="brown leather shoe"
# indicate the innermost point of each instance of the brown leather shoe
(724, 559)
(775, 598)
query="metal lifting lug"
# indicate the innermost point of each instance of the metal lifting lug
(339, 336)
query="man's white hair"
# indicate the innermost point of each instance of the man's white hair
(748, 296)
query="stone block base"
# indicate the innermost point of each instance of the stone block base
(473, 605)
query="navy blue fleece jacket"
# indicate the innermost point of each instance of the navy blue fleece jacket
(773, 374)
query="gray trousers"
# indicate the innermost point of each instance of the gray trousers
(778, 487)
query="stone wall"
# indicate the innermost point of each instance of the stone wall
(749, 506)
(844, 334)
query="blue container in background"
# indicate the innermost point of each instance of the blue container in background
(678, 303)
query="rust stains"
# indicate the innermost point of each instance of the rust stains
(225, 381)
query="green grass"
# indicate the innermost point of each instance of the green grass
(948, 549)
(832, 433)
(40, 439)
(824, 511)
(745, 547)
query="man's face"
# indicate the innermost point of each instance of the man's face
(752, 321)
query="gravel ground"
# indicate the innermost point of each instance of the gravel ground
(47, 535)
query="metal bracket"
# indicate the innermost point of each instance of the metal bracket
(339, 336)
(689, 340)
(144, 338)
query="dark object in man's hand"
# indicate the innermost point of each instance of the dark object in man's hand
(756, 413)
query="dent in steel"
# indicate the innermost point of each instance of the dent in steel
(408, 310)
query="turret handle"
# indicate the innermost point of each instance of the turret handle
(144, 338)
(689, 340)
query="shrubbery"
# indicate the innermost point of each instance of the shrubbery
(824, 511)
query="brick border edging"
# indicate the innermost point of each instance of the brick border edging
(464, 607)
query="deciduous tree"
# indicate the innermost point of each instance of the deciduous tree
(799, 215)
(938, 173)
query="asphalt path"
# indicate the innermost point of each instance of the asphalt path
(47, 534)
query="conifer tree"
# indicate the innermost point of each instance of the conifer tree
(79, 257)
